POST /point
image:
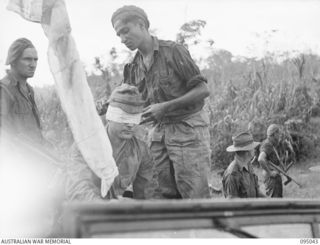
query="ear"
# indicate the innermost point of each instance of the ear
(13, 64)
(141, 24)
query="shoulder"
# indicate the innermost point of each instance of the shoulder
(6, 87)
(167, 43)
(171, 46)
(231, 179)
(265, 143)
(265, 146)
(5, 81)
(233, 170)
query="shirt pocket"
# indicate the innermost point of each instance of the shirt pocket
(166, 80)
(165, 83)
(244, 186)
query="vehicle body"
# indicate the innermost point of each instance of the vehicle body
(211, 218)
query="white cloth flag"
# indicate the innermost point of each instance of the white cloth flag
(73, 90)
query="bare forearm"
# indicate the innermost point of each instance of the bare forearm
(264, 165)
(263, 162)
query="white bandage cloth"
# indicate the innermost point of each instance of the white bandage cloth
(116, 114)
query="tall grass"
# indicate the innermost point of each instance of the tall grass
(245, 94)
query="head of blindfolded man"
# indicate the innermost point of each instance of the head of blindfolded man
(124, 111)
(131, 25)
(22, 58)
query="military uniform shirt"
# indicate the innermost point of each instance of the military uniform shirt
(267, 147)
(240, 182)
(18, 112)
(171, 75)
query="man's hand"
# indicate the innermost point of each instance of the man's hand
(154, 112)
(102, 106)
(273, 173)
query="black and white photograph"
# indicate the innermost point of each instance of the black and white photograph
(159, 119)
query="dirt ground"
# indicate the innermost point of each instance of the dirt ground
(310, 180)
(307, 173)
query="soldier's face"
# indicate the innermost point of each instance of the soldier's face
(277, 137)
(131, 34)
(25, 66)
(122, 130)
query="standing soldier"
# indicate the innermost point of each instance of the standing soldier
(174, 90)
(23, 147)
(18, 112)
(268, 153)
(239, 180)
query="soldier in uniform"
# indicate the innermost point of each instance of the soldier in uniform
(239, 179)
(27, 162)
(268, 153)
(174, 90)
(18, 112)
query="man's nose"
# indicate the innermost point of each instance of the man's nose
(123, 38)
(130, 125)
(33, 63)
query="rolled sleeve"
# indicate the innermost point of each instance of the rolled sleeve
(185, 67)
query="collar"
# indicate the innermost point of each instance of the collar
(242, 165)
(155, 45)
(14, 81)
(11, 78)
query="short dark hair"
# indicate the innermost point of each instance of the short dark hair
(16, 49)
(133, 19)
(126, 14)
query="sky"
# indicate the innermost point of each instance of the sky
(243, 27)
